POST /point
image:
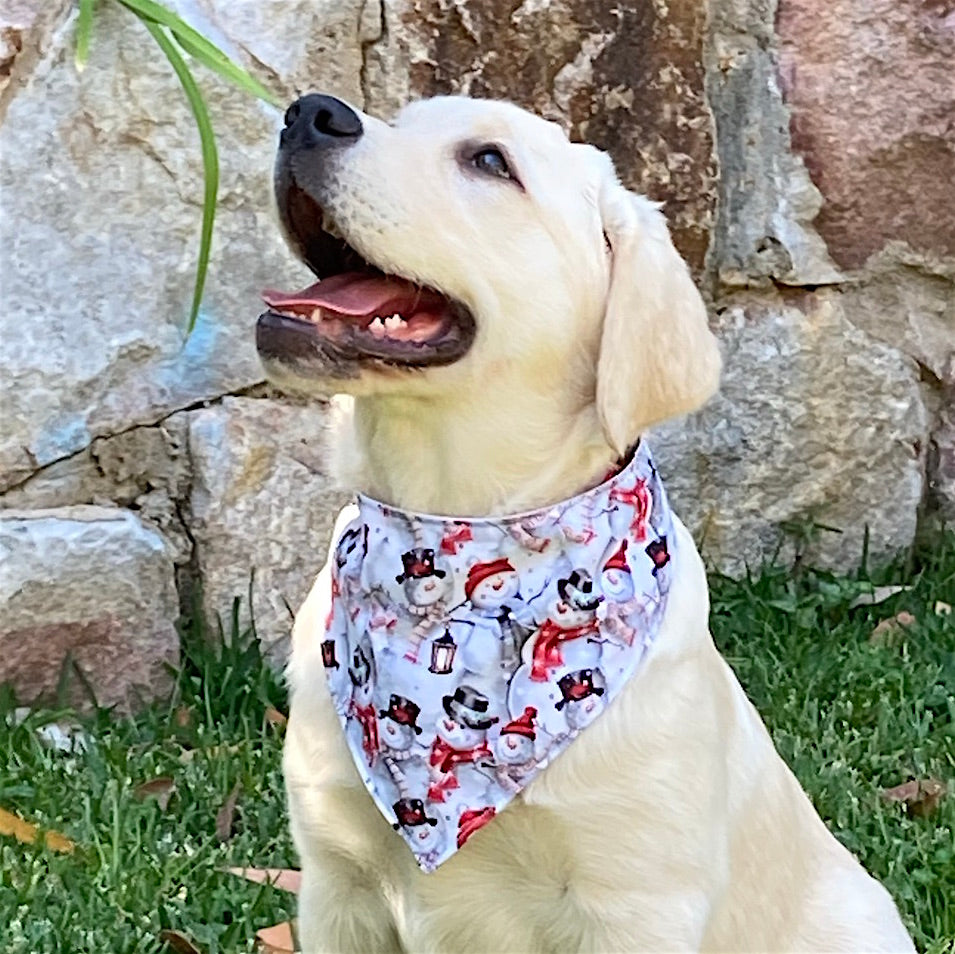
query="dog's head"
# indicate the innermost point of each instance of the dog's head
(468, 240)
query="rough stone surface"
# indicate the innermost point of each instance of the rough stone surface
(102, 181)
(25, 27)
(91, 588)
(872, 94)
(815, 422)
(261, 500)
(145, 469)
(911, 311)
(941, 484)
(767, 203)
(627, 77)
(300, 45)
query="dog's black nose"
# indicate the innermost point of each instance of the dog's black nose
(317, 120)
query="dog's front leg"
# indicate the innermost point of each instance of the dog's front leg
(343, 846)
(339, 914)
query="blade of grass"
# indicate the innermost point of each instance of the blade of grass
(198, 46)
(210, 159)
(84, 27)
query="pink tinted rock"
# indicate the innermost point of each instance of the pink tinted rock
(89, 604)
(871, 90)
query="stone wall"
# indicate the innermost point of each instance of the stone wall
(805, 150)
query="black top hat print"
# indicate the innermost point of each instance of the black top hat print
(418, 563)
(658, 552)
(469, 707)
(403, 711)
(578, 590)
(410, 812)
(576, 686)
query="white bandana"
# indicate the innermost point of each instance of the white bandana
(464, 655)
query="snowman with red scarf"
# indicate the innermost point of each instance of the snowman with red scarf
(361, 707)
(571, 627)
(460, 744)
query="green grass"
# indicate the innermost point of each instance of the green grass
(140, 869)
(850, 717)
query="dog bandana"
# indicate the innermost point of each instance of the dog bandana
(463, 656)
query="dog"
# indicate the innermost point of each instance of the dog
(505, 320)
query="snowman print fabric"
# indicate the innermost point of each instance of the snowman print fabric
(464, 655)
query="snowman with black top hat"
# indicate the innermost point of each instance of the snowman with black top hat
(424, 833)
(426, 588)
(572, 619)
(460, 744)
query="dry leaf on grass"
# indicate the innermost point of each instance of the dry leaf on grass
(878, 594)
(278, 939)
(226, 815)
(178, 942)
(288, 879)
(11, 824)
(213, 752)
(183, 717)
(161, 788)
(920, 796)
(943, 609)
(890, 631)
(276, 718)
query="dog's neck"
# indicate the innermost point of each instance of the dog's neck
(492, 456)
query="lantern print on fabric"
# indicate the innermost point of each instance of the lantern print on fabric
(463, 655)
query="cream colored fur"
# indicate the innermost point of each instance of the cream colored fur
(671, 824)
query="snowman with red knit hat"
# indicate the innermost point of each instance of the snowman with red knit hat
(621, 606)
(514, 751)
(497, 619)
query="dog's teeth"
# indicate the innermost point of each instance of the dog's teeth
(377, 327)
(317, 314)
(392, 321)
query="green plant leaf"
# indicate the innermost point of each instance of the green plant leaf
(210, 158)
(84, 27)
(195, 44)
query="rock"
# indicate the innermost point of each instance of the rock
(101, 177)
(816, 422)
(145, 468)
(942, 458)
(627, 77)
(911, 311)
(261, 502)
(304, 46)
(25, 29)
(870, 89)
(767, 203)
(87, 587)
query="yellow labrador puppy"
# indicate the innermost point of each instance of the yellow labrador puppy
(510, 730)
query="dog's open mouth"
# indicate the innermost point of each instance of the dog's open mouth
(356, 313)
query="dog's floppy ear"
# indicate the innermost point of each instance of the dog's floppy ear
(658, 357)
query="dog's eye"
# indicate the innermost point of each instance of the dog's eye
(491, 162)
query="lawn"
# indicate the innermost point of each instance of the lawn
(853, 716)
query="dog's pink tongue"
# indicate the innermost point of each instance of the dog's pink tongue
(350, 294)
